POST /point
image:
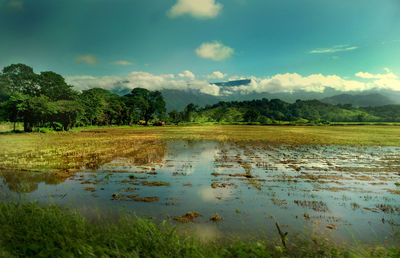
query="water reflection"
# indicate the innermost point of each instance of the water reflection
(337, 190)
(27, 182)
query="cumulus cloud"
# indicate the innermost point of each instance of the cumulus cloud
(187, 74)
(216, 75)
(214, 50)
(144, 80)
(387, 80)
(334, 49)
(291, 82)
(122, 63)
(201, 9)
(288, 82)
(389, 75)
(87, 59)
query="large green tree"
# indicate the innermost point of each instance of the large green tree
(54, 86)
(67, 113)
(102, 107)
(21, 78)
(145, 105)
(36, 112)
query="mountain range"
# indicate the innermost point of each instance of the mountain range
(179, 99)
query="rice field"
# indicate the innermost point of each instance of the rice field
(340, 183)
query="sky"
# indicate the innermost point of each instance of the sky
(282, 45)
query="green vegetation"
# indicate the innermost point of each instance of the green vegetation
(310, 112)
(45, 100)
(30, 230)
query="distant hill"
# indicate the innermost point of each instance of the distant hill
(267, 111)
(179, 99)
(372, 100)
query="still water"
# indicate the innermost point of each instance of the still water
(347, 193)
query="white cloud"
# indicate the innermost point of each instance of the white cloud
(387, 80)
(216, 75)
(87, 59)
(334, 49)
(214, 50)
(187, 74)
(201, 9)
(122, 63)
(143, 80)
(386, 76)
(291, 82)
(288, 82)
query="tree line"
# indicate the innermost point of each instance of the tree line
(273, 111)
(46, 100)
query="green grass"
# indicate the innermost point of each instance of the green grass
(30, 230)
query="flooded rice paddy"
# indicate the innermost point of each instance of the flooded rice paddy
(214, 188)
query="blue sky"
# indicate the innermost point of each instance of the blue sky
(213, 39)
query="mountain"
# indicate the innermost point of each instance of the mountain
(374, 99)
(233, 83)
(179, 99)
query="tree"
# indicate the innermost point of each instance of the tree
(188, 112)
(14, 107)
(174, 117)
(54, 86)
(251, 115)
(116, 110)
(5, 91)
(21, 78)
(93, 104)
(67, 113)
(36, 111)
(219, 113)
(361, 117)
(144, 104)
(157, 105)
(102, 107)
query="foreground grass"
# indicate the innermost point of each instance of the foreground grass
(30, 230)
(91, 147)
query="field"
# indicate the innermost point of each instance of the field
(221, 188)
(61, 152)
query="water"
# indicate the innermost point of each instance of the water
(347, 193)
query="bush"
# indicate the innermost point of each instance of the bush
(57, 126)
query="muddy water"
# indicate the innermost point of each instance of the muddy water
(347, 193)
